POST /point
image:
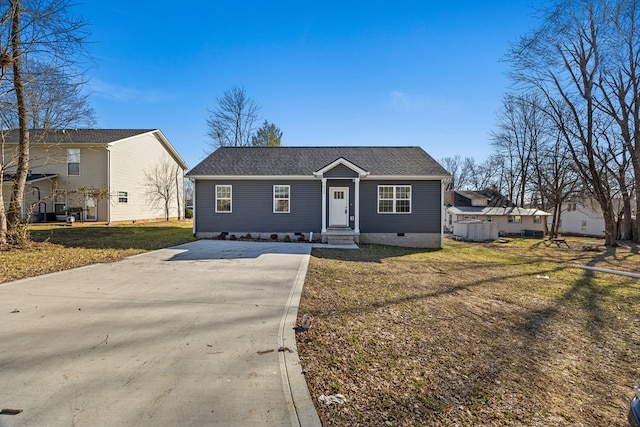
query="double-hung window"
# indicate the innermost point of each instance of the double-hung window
(394, 199)
(73, 161)
(281, 198)
(223, 198)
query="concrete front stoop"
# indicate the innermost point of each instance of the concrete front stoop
(340, 236)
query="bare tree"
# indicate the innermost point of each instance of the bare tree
(482, 175)
(31, 31)
(55, 99)
(619, 86)
(561, 62)
(555, 179)
(232, 123)
(162, 185)
(521, 126)
(188, 191)
(463, 172)
(269, 135)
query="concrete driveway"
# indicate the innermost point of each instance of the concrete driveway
(181, 336)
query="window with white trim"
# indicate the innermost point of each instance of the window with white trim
(537, 219)
(223, 198)
(394, 199)
(73, 161)
(123, 197)
(281, 198)
(515, 219)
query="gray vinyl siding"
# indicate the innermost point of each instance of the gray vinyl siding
(252, 207)
(426, 209)
(341, 171)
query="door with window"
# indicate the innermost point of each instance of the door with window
(339, 207)
(90, 209)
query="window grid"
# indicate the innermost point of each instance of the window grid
(73, 162)
(223, 198)
(123, 197)
(394, 199)
(281, 198)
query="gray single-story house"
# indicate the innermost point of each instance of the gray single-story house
(385, 195)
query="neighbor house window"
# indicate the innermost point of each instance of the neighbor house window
(515, 219)
(73, 161)
(59, 201)
(281, 198)
(489, 219)
(394, 199)
(123, 197)
(537, 219)
(583, 225)
(223, 198)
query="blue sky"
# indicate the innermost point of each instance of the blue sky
(400, 73)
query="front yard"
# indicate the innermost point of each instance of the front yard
(56, 247)
(500, 334)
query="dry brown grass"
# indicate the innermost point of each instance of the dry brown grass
(473, 334)
(56, 247)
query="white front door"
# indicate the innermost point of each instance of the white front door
(339, 207)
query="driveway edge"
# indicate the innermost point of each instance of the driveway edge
(299, 403)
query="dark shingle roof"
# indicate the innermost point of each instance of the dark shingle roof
(76, 136)
(303, 161)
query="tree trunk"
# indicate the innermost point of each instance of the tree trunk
(14, 216)
(609, 225)
(177, 175)
(3, 219)
(627, 222)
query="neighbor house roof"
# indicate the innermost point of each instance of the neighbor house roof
(89, 137)
(76, 136)
(495, 211)
(8, 178)
(304, 161)
(472, 194)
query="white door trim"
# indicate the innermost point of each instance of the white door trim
(339, 207)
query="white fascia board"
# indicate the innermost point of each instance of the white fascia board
(409, 177)
(341, 161)
(252, 177)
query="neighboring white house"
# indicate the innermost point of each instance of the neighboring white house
(511, 220)
(97, 174)
(583, 216)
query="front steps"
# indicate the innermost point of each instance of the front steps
(340, 236)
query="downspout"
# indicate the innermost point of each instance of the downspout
(193, 224)
(108, 183)
(442, 213)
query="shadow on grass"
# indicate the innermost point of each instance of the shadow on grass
(115, 237)
(523, 339)
(368, 253)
